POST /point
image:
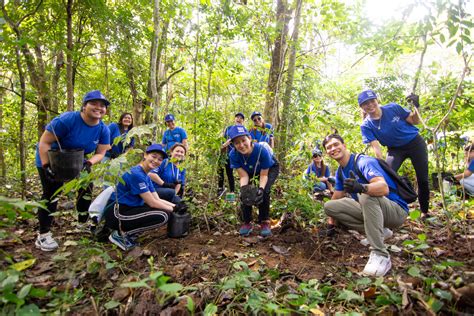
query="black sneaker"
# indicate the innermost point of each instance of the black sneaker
(221, 192)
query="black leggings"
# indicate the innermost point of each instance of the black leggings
(230, 175)
(49, 188)
(133, 220)
(417, 151)
(264, 208)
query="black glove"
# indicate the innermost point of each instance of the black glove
(351, 185)
(450, 178)
(168, 185)
(259, 196)
(180, 208)
(87, 166)
(176, 182)
(49, 173)
(414, 99)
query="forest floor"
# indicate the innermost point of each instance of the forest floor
(293, 271)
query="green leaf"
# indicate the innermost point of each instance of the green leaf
(137, 284)
(364, 281)
(24, 291)
(190, 305)
(347, 295)
(210, 310)
(415, 215)
(434, 304)
(111, 304)
(443, 294)
(422, 237)
(171, 287)
(414, 271)
(20, 266)
(459, 47)
(382, 300)
(29, 310)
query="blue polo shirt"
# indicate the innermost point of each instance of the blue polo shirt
(118, 149)
(313, 169)
(74, 133)
(169, 172)
(253, 163)
(370, 168)
(471, 166)
(259, 134)
(136, 183)
(171, 137)
(391, 130)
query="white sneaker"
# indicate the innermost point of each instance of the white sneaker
(46, 242)
(387, 233)
(377, 265)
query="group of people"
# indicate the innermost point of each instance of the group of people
(364, 196)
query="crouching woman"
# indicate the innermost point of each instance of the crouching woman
(135, 207)
(254, 163)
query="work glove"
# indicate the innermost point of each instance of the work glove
(87, 166)
(49, 173)
(176, 182)
(259, 197)
(168, 185)
(450, 178)
(180, 208)
(351, 185)
(414, 99)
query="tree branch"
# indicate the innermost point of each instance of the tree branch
(164, 82)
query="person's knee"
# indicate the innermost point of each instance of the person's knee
(331, 207)
(365, 199)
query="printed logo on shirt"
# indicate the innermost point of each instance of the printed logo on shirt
(96, 142)
(142, 185)
(395, 119)
(371, 174)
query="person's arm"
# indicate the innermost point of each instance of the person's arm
(263, 178)
(243, 176)
(414, 117)
(376, 148)
(338, 195)
(151, 201)
(156, 196)
(465, 174)
(156, 178)
(226, 144)
(99, 153)
(185, 143)
(177, 188)
(377, 187)
(46, 140)
(272, 142)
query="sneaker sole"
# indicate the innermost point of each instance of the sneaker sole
(378, 273)
(112, 240)
(45, 249)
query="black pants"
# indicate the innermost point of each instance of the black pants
(417, 151)
(230, 175)
(264, 208)
(133, 220)
(49, 188)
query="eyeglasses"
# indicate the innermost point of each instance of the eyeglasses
(257, 119)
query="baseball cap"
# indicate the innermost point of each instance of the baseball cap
(156, 148)
(255, 113)
(365, 96)
(95, 95)
(169, 117)
(240, 114)
(237, 130)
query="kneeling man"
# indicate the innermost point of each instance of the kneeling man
(374, 206)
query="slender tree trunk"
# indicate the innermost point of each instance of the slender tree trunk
(289, 80)
(211, 68)
(69, 58)
(21, 136)
(55, 81)
(154, 58)
(276, 68)
(3, 166)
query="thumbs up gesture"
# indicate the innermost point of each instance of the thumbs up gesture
(351, 185)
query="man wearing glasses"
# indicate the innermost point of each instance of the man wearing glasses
(261, 132)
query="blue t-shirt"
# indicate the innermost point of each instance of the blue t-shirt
(370, 168)
(250, 163)
(114, 133)
(74, 133)
(136, 183)
(262, 134)
(313, 169)
(391, 130)
(171, 137)
(471, 166)
(169, 172)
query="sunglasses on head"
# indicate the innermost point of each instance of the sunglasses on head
(315, 156)
(258, 118)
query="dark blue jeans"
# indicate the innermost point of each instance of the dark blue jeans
(168, 195)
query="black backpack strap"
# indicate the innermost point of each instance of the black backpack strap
(356, 167)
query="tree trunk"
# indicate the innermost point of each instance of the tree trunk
(3, 166)
(211, 68)
(69, 58)
(289, 81)
(276, 68)
(154, 57)
(21, 136)
(55, 81)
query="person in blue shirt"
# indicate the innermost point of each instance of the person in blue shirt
(120, 129)
(169, 174)
(135, 207)
(319, 172)
(226, 147)
(74, 130)
(255, 164)
(174, 134)
(374, 206)
(261, 131)
(394, 127)
(466, 178)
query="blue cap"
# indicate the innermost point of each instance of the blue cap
(366, 96)
(157, 148)
(255, 113)
(95, 95)
(317, 151)
(169, 117)
(236, 131)
(240, 114)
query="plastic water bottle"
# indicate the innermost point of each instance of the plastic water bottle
(230, 197)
